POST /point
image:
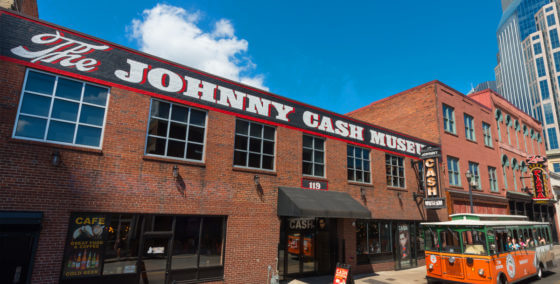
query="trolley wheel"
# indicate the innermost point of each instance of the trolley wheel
(503, 279)
(539, 271)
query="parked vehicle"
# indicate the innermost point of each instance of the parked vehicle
(485, 248)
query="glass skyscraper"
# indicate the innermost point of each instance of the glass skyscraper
(528, 71)
(516, 24)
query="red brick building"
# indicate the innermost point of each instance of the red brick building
(519, 137)
(119, 167)
(481, 133)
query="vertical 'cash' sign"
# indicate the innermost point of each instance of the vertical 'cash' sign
(430, 156)
(537, 166)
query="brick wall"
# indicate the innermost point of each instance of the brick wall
(120, 178)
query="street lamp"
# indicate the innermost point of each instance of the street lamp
(472, 183)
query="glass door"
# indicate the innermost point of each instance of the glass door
(154, 261)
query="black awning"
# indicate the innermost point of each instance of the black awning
(20, 218)
(298, 202)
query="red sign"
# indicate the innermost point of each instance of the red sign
(341, 274)
(537, 166)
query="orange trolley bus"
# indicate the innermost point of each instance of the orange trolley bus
(484, 248)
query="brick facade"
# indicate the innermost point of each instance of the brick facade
(419, 111)
(121, 178)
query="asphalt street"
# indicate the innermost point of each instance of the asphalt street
(549, 277)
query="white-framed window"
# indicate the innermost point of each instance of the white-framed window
(453, 171)
(473, 168)
(176, 131)
(469, 127)
(358, 164)
(493, 179)
(61, 110)
(394, 167)
(254, 145)
(487, 134)
(448, 119)
(313, 156)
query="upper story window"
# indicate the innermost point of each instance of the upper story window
(453, 171)
(469, 127)
(313, 156)
(473, 168)
(556, 56)
(554, 38)
(61, 110)
(552, 138)
(556, 167)
(358, 164)
(544, 89)
(394, 166)
(449, 119)
(176, 131)
(548, 114)
(540, 67)
(537, 47)
(550, 20)
(493, 179)
(254, 145)
(487, 134)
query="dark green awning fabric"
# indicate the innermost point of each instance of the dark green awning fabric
(298, 202)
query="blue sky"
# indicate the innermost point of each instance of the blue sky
(338, 55)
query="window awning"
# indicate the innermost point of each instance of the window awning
(298, 202)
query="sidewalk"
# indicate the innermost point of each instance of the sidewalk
(413, 275)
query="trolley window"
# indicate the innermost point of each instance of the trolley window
(450, 241)
(474, 242)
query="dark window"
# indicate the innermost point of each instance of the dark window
(550, 20)
(537, 47)
(61, 110)
(394, 169)
(541, 71)
(358, 164)
(254, 145)
(554, 38)
(313, 156)
(196, 253)
(176, 131)
(373, 241)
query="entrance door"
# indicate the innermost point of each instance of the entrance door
(16, 252)
(154, 262)
(308, 246)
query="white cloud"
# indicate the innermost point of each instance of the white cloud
(171, 32)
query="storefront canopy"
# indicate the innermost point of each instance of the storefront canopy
(298, 202)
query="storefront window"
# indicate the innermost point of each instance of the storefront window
(185, 243)
(121, 249)
(156, 248)
(373, 241)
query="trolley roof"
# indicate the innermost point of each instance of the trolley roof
(467, 219)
